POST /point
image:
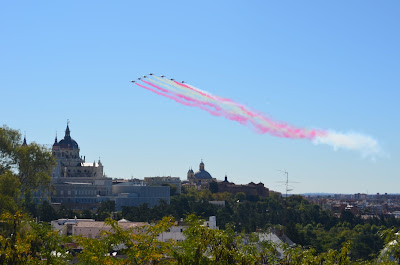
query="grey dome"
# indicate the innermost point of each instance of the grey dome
(202, 174)
(67, 142)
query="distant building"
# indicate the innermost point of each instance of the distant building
(81, 185)
(360, 196)
(217, 203)
(94, 229)
(250, 189)
(76, 183)
(159, 181)
(90, 228)
(176, 231)
(201, 179)
(277, 237)
(130, 194)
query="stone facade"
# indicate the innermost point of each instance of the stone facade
(76, 183)
(200, 180)
(250, 189)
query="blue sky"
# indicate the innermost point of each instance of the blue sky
(315, 64)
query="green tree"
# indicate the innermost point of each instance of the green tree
(22, 241)
(46, 212)
(9, 192)
(31, 163)
(140, 245)
(105, 210)
(23, 168)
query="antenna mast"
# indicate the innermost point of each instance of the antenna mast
(287, 181)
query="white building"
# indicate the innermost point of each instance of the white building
(176, 231)
(90, 228)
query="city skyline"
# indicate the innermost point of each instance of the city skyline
(330, 66)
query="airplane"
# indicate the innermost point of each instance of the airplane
(182, 82)
(151, 74)
(133, 81)
(172, 79)
(162, 75)
(139, 78)
(144, 76)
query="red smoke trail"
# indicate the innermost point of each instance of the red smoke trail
(235, 117)
(188, 95)
(288, 131)
(257, 120)
(218, 108)
(231, 116)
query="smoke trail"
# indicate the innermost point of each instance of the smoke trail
(189, 95)
(234, 117)
(366, 145)
(217, 108)
(264, 124)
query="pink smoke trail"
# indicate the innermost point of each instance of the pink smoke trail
(259, 122)
(282, 129)
(234, 117)
(218, 108)
(188, 95)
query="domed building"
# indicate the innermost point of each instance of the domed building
(76, 182)
(201, 177)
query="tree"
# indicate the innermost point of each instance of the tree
(9, 192)
(140, 245)
(22, 241)
(23, 168)
(31, 163)
(172, 188)
(46, 212)
(105, 210)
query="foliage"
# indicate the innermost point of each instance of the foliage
(22, 241)
(139, 246)
(304, 222)
(23, 168)
(203, 245)
(105, 210)
(31, 164)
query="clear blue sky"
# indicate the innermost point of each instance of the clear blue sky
(316, 64)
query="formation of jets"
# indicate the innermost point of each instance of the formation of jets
(153, 74)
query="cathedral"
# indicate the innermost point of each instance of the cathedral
(200, 179)
(77, 183)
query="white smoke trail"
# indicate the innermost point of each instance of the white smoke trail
(366, 145)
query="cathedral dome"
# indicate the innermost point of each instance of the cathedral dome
(202, 173)
(67, 142)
